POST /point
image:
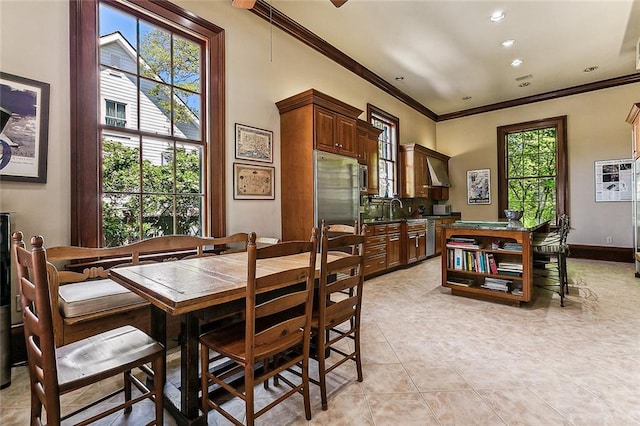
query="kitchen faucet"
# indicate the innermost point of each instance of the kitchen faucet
(395, 198)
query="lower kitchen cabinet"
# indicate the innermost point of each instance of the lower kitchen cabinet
(375, 249)
(394, 242)
(416, 241)
(440, 222)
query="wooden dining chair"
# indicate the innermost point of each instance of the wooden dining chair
(272, 327)
(339, 229)
(57, 371)
(551, 249)
(337, 316)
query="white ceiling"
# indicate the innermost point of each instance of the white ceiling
(448, 50)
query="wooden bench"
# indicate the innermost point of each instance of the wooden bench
(89, 302)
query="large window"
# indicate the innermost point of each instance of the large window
(532, 171)
(151, 163)
(387, 149)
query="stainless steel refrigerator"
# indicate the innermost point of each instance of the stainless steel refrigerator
(337, 191)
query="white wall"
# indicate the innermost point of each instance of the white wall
(596, 130)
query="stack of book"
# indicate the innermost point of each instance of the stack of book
(496, 284)
(463, 242)
(463, 282)
(512, 246)
(510, 268)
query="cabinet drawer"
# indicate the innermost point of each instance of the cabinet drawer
(375, 240)
(375, 263)
(375, 230)
(416, 226)
(372, 250)
(393, 228)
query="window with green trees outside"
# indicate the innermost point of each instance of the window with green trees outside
(532, 169)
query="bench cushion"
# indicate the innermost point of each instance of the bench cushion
(93, 296)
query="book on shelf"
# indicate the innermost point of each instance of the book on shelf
(512, 246)
(457, 256)
(463, 282)
(493, 267)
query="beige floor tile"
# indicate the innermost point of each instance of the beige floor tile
(461, 407)
(475, 362)
(400, 409)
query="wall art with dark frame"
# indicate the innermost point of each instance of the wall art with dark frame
(24, 129)
(254, 144)
(253, 182)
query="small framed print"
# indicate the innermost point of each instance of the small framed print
(24, 129)
(253, 182)
(254, 144)
(479, 186)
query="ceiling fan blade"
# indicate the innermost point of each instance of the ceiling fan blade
(338, 3)
(243, 4)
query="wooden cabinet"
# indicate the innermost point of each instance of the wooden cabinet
(415, 179)
(634, 119)
(415, 241)
(367, 143)
(335, 132)
(375, 249)
(394, 245)
(470, 252)
(309, 120)
(440, 222)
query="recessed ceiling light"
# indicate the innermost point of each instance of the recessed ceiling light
(516, 62)
(590, 69)
(508, 43)
(525, 84)
(399, 78)
(466, 98)
(497, 16)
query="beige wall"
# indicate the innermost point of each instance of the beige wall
(596, 130)
(34, 43)
(254, 82)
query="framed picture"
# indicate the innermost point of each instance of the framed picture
(24, 129)
(254, 144)
(479, 186)
(613, 180)
(252, 182)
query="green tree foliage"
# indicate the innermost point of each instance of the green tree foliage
(183, 73)
(130, 214)
(531, 174)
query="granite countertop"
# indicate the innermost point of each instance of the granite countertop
(495, 225)
(455, 215)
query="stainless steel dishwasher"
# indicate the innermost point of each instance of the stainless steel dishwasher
(431, 237)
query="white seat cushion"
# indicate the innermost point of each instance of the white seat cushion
(88, 297)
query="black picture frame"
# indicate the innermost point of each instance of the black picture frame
(24, 132)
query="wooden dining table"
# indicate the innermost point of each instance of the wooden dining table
(187, 288)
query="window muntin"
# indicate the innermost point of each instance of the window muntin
(532, 172)
(387, 150)
(153, 173)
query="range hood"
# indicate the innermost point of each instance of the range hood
(438, 172)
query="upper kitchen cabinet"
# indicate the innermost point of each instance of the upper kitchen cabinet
(333, 122)
(634, 119)
(423, 173)
(367, 137)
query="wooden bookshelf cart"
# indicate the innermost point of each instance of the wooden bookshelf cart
(468, 247)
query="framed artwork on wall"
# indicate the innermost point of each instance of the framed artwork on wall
(254, 144)
(24, 129)
(479, 186)
(253, 182)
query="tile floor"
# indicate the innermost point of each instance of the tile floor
(435, 359)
